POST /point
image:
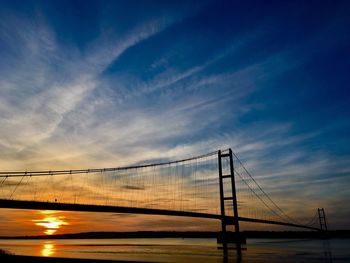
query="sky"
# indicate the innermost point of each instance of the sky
(93, 84)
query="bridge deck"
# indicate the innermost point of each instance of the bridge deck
(37, 205)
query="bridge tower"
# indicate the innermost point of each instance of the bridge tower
(225, 201)
(322, 219)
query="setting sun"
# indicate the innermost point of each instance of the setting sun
(51, 222)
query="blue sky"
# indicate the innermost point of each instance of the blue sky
(108, 83)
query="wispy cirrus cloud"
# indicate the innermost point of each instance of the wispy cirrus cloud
(50, 81)
(124, 98)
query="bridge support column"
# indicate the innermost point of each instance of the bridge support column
(322, 219)
(323, 223)
(232, 199)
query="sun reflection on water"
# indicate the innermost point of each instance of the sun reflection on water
(48, 249)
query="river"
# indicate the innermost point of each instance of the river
(183, 250)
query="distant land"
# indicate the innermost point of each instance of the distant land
(176, 234)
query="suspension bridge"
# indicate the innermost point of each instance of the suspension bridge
(216, 186)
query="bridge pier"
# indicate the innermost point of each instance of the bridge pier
(323, 224)
(223, 238)
(231, 238)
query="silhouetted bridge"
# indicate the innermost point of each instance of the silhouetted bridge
(214, 186)
(35, 205)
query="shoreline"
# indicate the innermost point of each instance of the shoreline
(173, 234)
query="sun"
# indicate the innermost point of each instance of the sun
(51, 222)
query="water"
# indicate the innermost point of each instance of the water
(184, 250)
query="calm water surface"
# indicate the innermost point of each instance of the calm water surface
(184, 250)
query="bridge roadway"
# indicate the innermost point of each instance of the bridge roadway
(37, 205)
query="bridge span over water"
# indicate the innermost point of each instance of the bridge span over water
(215, 186)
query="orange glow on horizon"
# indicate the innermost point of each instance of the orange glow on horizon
(50, 222)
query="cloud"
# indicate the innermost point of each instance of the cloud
(131, 187)
(51, 82)
(65, 107)
(72, 108)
